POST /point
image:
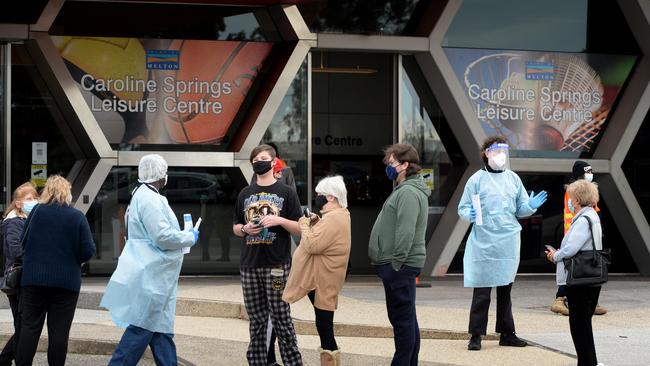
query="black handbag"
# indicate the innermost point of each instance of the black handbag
(587, 267)
(11, 280)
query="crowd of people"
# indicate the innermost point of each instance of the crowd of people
(50, 240)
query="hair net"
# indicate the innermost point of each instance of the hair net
(334, 186)
(152, 168)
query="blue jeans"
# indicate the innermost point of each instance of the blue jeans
(135, 341)
(399, 287)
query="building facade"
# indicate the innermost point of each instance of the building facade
(89, 87)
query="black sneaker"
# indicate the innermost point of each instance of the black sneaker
(474, 343)
(511, 340)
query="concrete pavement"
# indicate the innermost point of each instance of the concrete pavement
(211, 331)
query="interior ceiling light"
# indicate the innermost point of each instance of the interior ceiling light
(342, 70)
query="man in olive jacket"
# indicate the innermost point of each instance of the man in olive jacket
(397, 247)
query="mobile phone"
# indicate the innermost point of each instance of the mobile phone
(306, 212)
(549, 247)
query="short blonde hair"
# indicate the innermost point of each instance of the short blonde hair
(57, 190)
(334, 186)
(583, 193)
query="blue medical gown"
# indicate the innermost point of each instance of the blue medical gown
(492, 251)
(142, 290)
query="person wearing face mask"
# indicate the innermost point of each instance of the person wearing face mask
(319, 264)
(141, 293)
(492, 251)
(580, 170)
(23, 202)
(397, 247)
(266, 213)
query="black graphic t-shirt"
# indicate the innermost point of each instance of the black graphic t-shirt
(273, 245)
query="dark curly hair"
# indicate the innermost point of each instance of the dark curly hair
(489, 142)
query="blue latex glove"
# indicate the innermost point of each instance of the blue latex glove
(536, 201)
(472, 215)
(196, 235)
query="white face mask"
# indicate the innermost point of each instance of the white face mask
(589, 177)
(497, 162)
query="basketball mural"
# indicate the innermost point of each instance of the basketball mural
(150, 91)
(539, 100)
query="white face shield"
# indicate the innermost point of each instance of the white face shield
(498, 156)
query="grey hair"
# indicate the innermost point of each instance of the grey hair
(334, 186)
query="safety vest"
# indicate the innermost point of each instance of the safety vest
(568, 215)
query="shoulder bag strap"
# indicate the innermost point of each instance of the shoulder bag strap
(593, 239)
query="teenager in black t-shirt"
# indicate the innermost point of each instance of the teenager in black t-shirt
(266, 213)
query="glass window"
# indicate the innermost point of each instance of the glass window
(546, 104)
(422, 124)
(21, 12)
(560, 26)
(169, 94)
(209, 193)
(142, 20)
(394, 17)
(288, 132)
(36, 118)
(636, 166)
(352, 124)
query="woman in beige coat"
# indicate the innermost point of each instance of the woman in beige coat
(320, 262)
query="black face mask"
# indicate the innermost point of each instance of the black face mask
(261, 167)
(319, 202)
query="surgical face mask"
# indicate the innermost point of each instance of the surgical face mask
(589, 177)
(498, 161)
(391, 172)
(570, 206)
(262, 166)
(28, 206)
(320, 202)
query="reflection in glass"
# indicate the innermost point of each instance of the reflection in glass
(208, 193)
(421, 125)
(288, 131)
(636, 166)
(180, 21)
(394, 17)
(37, 118)
(520, 25)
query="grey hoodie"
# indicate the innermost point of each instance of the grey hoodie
(397, 236)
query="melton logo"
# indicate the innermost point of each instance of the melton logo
(536, 70)
(163, 59)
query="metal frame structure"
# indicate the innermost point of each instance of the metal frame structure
(429, 54)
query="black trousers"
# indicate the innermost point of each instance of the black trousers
(561, 291)
(478, 315)
(399, 288)
(9, 351)
(582, 303)
(59, 305)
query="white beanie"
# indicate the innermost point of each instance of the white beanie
(334, 186)
(152, 168)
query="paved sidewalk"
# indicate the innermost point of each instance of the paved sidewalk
(209, 335)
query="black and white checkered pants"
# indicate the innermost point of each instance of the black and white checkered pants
(263, 294)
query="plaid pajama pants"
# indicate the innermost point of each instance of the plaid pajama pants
(263, 294)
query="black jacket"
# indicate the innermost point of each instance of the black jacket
(12, 231)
